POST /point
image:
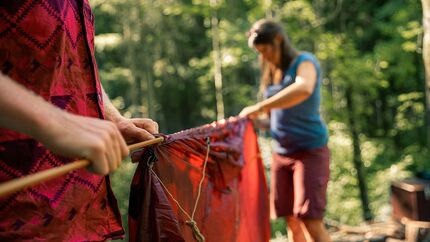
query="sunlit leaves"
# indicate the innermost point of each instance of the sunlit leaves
(110, 40)
(410, 112)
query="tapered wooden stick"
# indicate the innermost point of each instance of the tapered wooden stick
(18, 184)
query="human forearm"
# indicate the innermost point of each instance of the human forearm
(286, 98)
(22, 110)
(111, 113)
(61, 132)
(299, 91)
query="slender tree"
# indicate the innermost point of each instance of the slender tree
(132, 28)
(357, 159)
(426, 57)
(217, 60)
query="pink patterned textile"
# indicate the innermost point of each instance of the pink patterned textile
(48, 47)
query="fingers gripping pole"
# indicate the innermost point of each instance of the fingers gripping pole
(18, 184)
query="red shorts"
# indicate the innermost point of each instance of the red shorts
(299, 183)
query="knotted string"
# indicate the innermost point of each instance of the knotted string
(198, 236)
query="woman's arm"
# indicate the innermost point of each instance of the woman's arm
(290, 96)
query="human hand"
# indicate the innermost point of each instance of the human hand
(250, 111)
(99, 141)
(137, 129)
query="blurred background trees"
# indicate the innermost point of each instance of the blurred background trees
(157, 60)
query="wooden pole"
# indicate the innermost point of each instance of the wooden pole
(18, 184)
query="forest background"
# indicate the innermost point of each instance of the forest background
(185, 63)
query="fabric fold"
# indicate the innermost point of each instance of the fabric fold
(233, 204)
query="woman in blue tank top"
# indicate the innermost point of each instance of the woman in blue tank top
(291, 82)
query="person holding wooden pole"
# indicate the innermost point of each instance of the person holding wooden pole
(53, 110)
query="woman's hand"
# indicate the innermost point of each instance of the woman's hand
(251, 112)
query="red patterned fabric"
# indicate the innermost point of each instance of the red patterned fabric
(48, 47)
(233, 205)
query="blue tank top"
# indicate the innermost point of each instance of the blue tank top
(301, 126)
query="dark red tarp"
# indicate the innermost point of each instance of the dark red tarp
(233, 205)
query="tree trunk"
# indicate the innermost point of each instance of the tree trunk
(131, 29)
(217, 61)
(268, 7)
(358, 164)
(426, 57)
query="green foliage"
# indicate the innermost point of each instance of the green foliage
(121, 181)
(383, 164)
